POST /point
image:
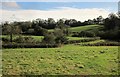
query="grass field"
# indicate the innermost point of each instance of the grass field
(65, 60)
(77, 38)
(38, 38)
(93, 42)
(69, 59)
(86, 28)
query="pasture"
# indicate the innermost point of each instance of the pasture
(68, 59)
(84, 28)
(93, 28)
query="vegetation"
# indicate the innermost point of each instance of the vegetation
(98, 27)
(87, 28)
(67, 60)
(66, 46)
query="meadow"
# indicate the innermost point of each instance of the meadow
(84, 28)
(65, 60)
(68, 59)
(87, 28)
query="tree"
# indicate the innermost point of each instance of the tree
(25, 26)
(111, 22)
(112, 27)
(49, 39)
(90, 21)
(99, 20)
(12, 29)
(61, 40)
(51, 23)
(60, 24)
(60, 36)
(39, 31)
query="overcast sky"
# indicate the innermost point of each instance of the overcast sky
(25, 11)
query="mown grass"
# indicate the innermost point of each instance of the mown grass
(69, 59)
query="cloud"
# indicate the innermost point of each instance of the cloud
(61, 12)
(10, 5)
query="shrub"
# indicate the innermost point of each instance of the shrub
(86, 34)
(75, 34)
(26, 45)
(83, 40)
(5, 39)
(39, 31)
(110, 34)
(30, 31)
(102, 44)
(61, 40)
(21, 39)
(49, 39)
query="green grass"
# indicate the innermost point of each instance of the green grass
(86, 28)
(15, 36)
(93, 28)
(37, 37)
(50, 30)
(69, 59)
(93, 42)
(77, 38)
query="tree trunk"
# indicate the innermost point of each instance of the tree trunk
(11, 37)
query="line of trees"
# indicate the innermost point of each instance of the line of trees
(40, 27)
(35, 27)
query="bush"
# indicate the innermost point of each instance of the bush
(107, 43)
(39, 31)
(82, 40)
(21, 39)
(49, 39)
(86, 34)
(30, 32)
(21, 45)
(5, 39)
(110, 34)
(75, 34)
(61, 40)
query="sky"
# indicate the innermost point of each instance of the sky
(27, 11)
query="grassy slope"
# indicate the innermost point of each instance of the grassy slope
(69, 59)
(86, 28)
